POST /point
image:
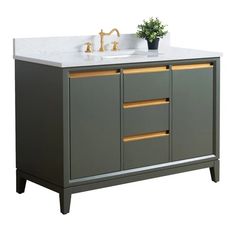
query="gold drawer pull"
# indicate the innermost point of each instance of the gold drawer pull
(192, 66)
(145, 70)
(145, 136)
(85, 74)
(146, 103)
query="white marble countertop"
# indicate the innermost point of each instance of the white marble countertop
(76, 59)
(69, 51)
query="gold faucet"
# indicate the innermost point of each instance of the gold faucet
(102, 34)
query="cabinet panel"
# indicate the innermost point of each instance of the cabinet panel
(146, 152)
(192, 127)
(145, 86)
(95, 125)
(146, 119)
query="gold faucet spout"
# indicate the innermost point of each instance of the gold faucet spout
(102, 34)
(114, 30)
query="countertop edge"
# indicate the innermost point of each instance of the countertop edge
(38, 61)
(64, 66)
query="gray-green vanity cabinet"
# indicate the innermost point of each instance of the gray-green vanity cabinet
(83, 128)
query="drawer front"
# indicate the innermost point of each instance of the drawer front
(146, 119)
(146, 86)
(146, 152)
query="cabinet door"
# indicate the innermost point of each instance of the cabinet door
(95, 125)
(192, 114)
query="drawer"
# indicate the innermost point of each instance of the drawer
(146, 152)
(146, 83)
(147, 118)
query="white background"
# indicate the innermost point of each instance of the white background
(184, 204)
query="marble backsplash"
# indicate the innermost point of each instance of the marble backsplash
(77, 43)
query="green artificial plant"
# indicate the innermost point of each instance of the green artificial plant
(151, 29)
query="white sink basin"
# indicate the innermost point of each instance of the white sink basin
(118, 54)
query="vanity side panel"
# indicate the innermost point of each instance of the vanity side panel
(216, 108)
(39, 121)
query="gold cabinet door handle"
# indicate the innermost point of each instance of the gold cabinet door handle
(145, 70)
(87, 74)
(192, 66)
(145, 136)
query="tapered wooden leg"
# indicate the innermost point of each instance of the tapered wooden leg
(20, 183)
(65, 198)
(215, 171)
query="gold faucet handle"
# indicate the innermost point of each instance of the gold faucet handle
(115, 46)
(89, 47)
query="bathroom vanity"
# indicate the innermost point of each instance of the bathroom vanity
(87, 121)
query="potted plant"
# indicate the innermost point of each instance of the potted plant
(152, 30)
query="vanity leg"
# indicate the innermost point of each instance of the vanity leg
(20, 183)
(65, 197)
(215, 171)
